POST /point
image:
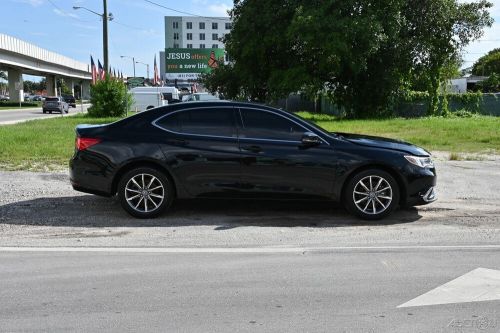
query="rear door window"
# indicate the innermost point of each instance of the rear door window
(53, 99)
(218, 122)
(260, 124)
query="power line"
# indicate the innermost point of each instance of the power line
(186, 13)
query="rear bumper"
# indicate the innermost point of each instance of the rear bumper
(89, 175)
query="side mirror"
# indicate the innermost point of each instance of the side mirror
(310, 139)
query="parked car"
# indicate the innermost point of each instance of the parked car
(55, 103)
(232, 149)
(145, 99)
(70, 99)
(4, 98)
(37, 98)
(200, 97)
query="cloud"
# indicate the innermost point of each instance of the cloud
(85, 26)
(34, 3)
(219, 9)
(64, 14)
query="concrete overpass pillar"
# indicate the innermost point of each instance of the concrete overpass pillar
(16, 92)
(85, 87)
(51, 85)
(71, 84)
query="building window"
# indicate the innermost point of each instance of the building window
(176, 25)
(176, 36)
(215, 46)
(228, 26)
(215, 25)
(202, 36)
(215, 37)
(189, 36)
(190, 46)
(176, 46)
(202, 25)
(189, 25)
(202, 46)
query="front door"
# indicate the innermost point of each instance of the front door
(274, 160)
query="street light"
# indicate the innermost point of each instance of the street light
(147, 67)
(105, 17)
(133, 61)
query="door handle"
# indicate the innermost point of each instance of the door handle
(253, 148)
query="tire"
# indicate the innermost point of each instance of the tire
(50, 112)
(133, 201)
(374, 204)
(44, 111)
(67, 111)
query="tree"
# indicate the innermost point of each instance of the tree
(360, 52)
(109, 98)
(487, 64)
(491, 84)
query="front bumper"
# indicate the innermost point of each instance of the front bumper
(421, 186)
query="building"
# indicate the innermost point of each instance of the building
(191, 37)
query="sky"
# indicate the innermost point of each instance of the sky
(137, 29)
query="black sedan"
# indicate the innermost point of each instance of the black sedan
(230, 149)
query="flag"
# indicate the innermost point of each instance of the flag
(110, 72)
(114, 73)
(156, 76)
(93, 70)
(102, 72)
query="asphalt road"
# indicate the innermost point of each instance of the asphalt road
(20, 115)
(330, 291)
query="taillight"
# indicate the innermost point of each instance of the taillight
(84, 143)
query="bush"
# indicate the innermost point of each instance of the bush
(16, 104)
(109, 98)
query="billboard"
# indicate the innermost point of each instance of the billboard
(188, 64)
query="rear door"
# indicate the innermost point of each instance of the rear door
(274, 160)
(201, 147)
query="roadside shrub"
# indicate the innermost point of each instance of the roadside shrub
(463, 113)
(109, 98)
(16, 104)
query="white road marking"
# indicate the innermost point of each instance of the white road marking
(479, 285)
(242, 249)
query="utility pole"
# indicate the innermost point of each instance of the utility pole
(105, 34)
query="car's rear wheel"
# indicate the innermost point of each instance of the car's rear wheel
(145, 192)
(371, 194)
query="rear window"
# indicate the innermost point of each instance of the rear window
(210, 121)
(52, 99)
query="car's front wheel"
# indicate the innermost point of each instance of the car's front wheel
(371, 194)
(145, 192)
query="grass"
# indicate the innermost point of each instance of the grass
(41, 145)
(44, 145)
(460, 135)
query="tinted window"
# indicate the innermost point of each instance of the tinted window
(265, 125)
(217, 122)
(52, 99)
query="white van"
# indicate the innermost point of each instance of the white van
(145, 100)
(169, 93)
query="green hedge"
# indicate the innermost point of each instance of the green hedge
(14, 104)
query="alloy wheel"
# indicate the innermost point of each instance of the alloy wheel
(372, 195)
(144, 193)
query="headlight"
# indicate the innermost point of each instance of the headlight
(423, 162)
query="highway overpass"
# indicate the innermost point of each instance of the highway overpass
(18, 57)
